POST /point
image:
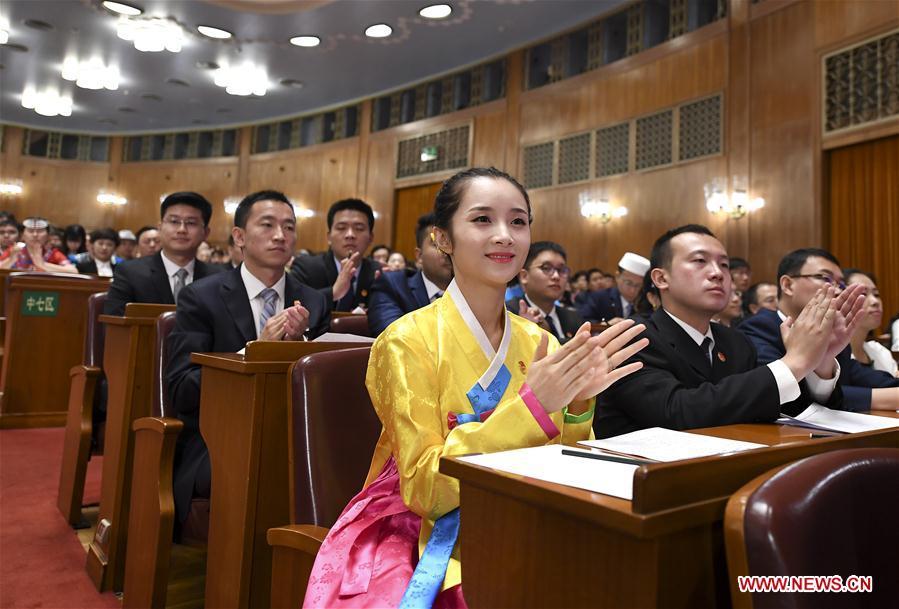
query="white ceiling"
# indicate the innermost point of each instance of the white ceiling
(346, 67)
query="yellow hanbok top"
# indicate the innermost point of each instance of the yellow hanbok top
(421, 368)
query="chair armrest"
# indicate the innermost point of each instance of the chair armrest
(294, 548)
(303, 537)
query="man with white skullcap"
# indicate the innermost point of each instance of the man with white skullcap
(617, 303)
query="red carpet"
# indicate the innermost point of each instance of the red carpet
(41, 559)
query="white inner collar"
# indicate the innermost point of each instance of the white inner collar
(497, 358)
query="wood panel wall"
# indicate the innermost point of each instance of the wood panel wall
(764, 57)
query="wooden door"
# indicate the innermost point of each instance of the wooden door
(862, 212)
(411, 203)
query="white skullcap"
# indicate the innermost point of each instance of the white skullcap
(634, 263)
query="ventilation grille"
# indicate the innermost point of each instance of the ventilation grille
(452, 152)
(700, 129)
(538, 165)
(612, 150)
(574, 159)
(654, 140)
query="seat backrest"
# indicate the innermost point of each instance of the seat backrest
(830, 514)
(54, 274)
(95, 336)
(333, 429)
(351, 324)
(164, 325)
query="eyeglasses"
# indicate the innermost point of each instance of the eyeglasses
(824, 278)
(630, 284)
(548, 270)
(176, 222)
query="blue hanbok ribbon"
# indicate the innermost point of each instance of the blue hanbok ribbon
(430, 571)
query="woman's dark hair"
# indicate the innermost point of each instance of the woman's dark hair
(379, 247)
(642, 305)
(74, 232)
(848, 273)
(450, 195)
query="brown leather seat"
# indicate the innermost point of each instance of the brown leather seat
(350, 324)
(334, 430)
(165, 323)
(830, 514)
(84, 425)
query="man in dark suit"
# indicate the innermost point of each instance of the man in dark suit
(394, 294)
(543, 280)
(700, 374)
(226, 310)
(104, 242)
(160, 277)
(614, 304)
(799, 275)
(342, 273)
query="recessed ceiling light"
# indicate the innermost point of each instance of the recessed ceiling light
(306, 41)
(12, 46)
(177, 82)
(378, 30)
(436, 11)
(292, 82)
(213, 32)
(127, 110)
(207, 65)
(37, 24)
(122, 9)
(151, 97)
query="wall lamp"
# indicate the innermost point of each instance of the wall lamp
(735, 203)
(601, 209)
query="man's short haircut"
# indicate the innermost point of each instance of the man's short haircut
(751, 297)
(105, 233)
(142, 230)
(538, 247)
(590, 272)
(660, 258)
(422, 229)
(739, 263)
(192, 199)
(792, 263)
(352, 205)
(578, 275)
(242, 214)
(847, 273)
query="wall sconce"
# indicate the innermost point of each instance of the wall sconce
(231, 204)
(735, 204)
(601, 209)
(11, 188)
(109, 198)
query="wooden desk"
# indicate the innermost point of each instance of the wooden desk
(243, 419)
(528, 543)
(4, 273)
(128, 365)
(44, 338)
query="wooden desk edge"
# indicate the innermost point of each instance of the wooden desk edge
(120, 320)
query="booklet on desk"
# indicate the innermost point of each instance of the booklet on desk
(824, 419)
(547, 463)
(660, 444)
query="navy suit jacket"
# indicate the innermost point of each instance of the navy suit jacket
(570, 319)
(602, 305)
(678, 389)
(214, 315)
(394, 294)
(763, 329)
(320, 272)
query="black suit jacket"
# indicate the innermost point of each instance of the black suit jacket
(602, 305)
(678, 389)
(393, 294)
(763, 329)
(214, 315)
(145, 280)
(320, 272)
(89, 266)
(570, 319)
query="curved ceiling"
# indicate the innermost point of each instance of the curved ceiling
(346, 66)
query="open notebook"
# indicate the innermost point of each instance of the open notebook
(824, 419)
(660, 444)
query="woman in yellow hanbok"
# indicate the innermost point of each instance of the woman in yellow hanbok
(461, 375)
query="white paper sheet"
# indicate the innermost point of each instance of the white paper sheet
(662, 444)
(820, 417)
(335, 337)
(549, 464)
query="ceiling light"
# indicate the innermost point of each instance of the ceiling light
(91, 74)
(436, 11)
(109, 198)
(246, 79)
(378, 30)
(4, 35)
(47, 102)
(122, 9)
(306, 41)
(292, 82)
(213, 32)
(151, 35)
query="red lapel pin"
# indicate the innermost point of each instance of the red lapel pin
(721, 357)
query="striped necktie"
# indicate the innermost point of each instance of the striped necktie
(270, 297)
(180, 279)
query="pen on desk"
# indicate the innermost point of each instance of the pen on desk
(821, 435)
(598, 457)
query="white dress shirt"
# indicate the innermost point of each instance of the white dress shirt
(104, 269)
(553, 315)
(787, 385)
(880, 356)
(431, 288)
(171, 268)
(254, 289)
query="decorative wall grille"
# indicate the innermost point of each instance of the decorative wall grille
(538, 165)
(574, 158)
(654, 140)
(700, 128)
(612, 150)
(861, 83)
(452, 152)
